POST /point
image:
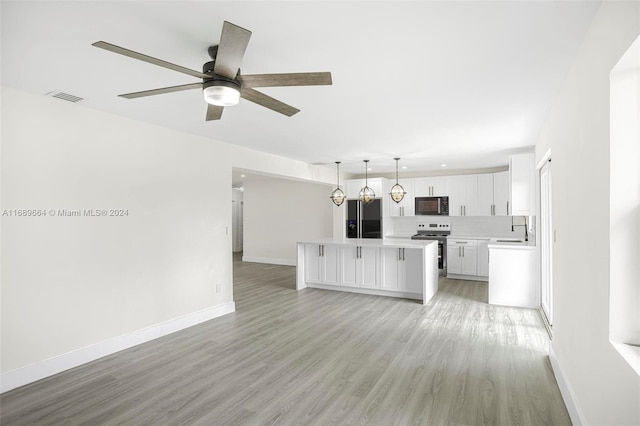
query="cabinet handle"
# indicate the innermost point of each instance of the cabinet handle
(399, 255)
(403, 255)
(462, 251)
(319, 250)
(507, 208)
(465, 211)
(322, 250)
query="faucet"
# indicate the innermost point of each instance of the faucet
(526, 234)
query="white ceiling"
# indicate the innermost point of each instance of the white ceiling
(461, 83)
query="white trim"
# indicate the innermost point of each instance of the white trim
(371, 291)
(565, 390)
(544, 159)
(286, 262)
(468, 277)
(31, 373)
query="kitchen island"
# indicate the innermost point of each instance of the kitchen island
(395, 268)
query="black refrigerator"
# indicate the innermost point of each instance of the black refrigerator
(364, 220)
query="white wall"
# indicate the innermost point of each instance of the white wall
(278, 213)
(599, 386)
(72, 282)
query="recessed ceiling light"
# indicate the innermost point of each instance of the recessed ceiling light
(368, 169)
(242, 176)
(404, 167)
(443, 165)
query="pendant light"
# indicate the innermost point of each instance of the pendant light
(367, 194)
(397, 191)
(337, 196)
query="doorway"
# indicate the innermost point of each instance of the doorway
(237, 213)
(546, 243)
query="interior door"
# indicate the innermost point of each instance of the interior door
(546, 243)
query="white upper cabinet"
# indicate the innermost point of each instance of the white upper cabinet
(431, 186)
(522, 179)
(406, 207)
(353, 187)
(501, 194)
(485, 194)
(463, 195)
(493, 194)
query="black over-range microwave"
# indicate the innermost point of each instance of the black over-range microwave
(432, 206)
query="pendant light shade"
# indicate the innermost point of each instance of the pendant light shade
(367, 194)
(397, 191)
(337, 196)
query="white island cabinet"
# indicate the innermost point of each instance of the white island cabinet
(396, 268)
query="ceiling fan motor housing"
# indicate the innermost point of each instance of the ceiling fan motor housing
(207, 68)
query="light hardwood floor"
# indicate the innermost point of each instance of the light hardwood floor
(317, 357)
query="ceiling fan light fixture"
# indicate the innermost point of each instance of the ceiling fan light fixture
(221, 93)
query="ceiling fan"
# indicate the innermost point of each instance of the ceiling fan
(222, 83)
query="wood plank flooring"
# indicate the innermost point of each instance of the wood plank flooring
(317, 357)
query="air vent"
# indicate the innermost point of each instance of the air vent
(64, 96)
(319, 164)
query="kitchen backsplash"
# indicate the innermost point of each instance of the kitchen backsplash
(491, 226)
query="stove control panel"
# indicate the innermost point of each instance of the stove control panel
(434, 227)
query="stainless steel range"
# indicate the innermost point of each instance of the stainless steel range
(436, 232)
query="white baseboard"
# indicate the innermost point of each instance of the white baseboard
(565, 390)
(286, 262)
(31, 373)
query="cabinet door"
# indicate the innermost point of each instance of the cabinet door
(501, 193)
(470, 196)
(431, 186)
(330, 265)
(456, 185)
(521, 169)
(349, 265)
(412, 270)
(352, 187)
(389, 277)
(470, 259)
(312, 263)
(454, 259)
(368, 266)
(485, 194)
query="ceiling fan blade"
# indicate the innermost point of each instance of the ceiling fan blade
(214, 112)
(161, 91)
(290, 79)
(268, 102)
(233, 43)
(159, 62)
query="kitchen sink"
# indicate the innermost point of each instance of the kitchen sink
(509, 241)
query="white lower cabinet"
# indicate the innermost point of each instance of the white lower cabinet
(512, 277)
(462, 257)
(483, 258)
(402, 270)
(360, 266)
(321, 264)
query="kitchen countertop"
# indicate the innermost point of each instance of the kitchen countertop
(493, 241)
(397, 242)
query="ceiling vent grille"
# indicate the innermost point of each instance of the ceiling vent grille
(64, 96)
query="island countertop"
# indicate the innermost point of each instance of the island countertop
(372, 242)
